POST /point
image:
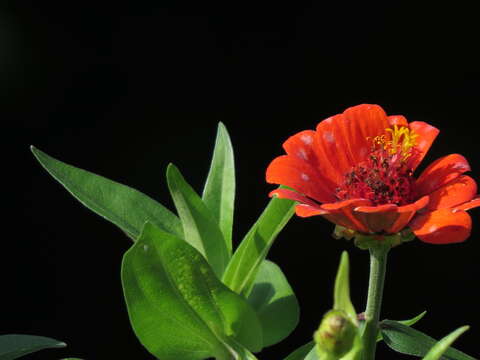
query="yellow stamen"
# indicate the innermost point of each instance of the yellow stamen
(402, 140)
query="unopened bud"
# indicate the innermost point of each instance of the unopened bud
(336, 334)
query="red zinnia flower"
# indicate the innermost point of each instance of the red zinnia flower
(356, 170)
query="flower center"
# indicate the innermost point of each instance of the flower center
(385, 177)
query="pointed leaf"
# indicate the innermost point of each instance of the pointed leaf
(407, 340)
(275, 303)
(341, 297)
(219, 191)
(125, 207)
(177, 306)
(14, 346)
(243, 267)
(441, 347)
(301, 352)
(408, 322)
(199, 227)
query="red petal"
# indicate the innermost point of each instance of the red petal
(458, 191)
(299, 175)
(389, 218)
(440, 172)
(360, 125)
(398, 120)
(341, 213)
(427, 134)
(468, 205)
(292, 195)
(303, 210)
(303, 146)
(377, 218)
(442, 226)
(331, 148)
(406, 213)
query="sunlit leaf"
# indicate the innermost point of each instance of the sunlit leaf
(243, 267)
(199, 227)
(177, 306)
(127, 208)
(219, 191)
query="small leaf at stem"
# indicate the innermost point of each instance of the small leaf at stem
(13, 346)
(441, 347)
(407, 340)
(408, 322)
(199, 227)
(219, 191)
(127, 208)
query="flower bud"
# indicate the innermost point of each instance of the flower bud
(336, 334)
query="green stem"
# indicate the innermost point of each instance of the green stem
(378, 264)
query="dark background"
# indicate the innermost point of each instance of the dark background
(124, 90)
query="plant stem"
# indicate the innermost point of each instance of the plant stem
(378, 263)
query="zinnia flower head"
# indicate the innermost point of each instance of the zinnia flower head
(357, 171)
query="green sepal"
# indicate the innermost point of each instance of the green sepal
(125, 207)
(274, 301)
(200, 228)
(341, 294)
(245, 262)
(177, 306)
(13, 346)
(442, 345)
(219, 190)
(407, 340)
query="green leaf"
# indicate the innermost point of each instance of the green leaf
(243, 267)
(199, 226)
(441, 347)
(275, 303)
(408, 322)
(341, 297)
(177, 306)
(14, 346)
(127, 208)
(407, 340)
(301, 352)
(219, 191)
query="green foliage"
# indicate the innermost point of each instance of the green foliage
(442, 346)
(127, 208)
(219, 191)
(14, 346)
(199, 226)
(275, 303)
(177, 306)
(407, 340)
(243, 267)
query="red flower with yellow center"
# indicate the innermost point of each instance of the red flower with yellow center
(356, 170)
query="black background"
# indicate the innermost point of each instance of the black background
(123, 90)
